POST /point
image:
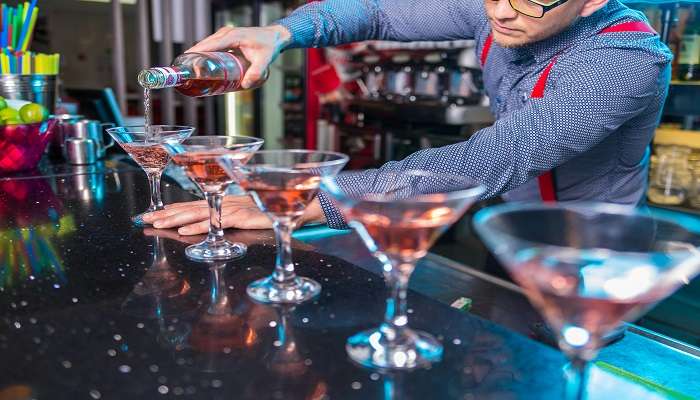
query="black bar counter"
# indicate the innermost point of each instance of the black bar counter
(94, 308)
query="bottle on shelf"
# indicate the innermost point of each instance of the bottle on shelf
(689, 57)
(201, 74)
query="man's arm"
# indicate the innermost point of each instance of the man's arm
(333, 22)
(592, 99)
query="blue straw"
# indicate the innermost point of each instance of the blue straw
(25, 26)
(5, 23)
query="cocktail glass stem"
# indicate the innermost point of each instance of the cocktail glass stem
(395, 316)
(394, 345)
(576, 379)
(284, 266)
(216, 232)
(215, 247)
(154, 184)
(284, 286)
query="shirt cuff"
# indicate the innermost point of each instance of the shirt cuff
(301, 27)
(334, 218)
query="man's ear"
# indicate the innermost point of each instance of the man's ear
(591, 6)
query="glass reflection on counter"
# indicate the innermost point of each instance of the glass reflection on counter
(161, 292)
(30, 219)
(88, 183)
(225, 327)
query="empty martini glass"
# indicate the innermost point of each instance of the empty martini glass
(146, 148)
(283, 183)
(399, 216)
(588, 267)
(197, 157)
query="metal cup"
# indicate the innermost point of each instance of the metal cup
(80, 151)
(90, 129)
(55, 148)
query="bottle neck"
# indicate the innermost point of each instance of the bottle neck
(162, 77)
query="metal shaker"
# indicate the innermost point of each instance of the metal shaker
(80, 151)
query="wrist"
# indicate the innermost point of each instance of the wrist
(284, 36)
(313, 214)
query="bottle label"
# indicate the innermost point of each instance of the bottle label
(690, 50)
(172, 78)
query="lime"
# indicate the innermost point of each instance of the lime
(32, 113)
(9, 113)
(13, 121)
(3, 103)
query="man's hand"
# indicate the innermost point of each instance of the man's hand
(192, 218)
(260, 46)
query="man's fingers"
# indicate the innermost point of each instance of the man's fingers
(242, 218)
(224, 39)
(247, 218)
(162, 214)
(194, 229)
(186, 204)
(259, 62)
(183, 218)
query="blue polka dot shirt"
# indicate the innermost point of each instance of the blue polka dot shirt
(593, 126)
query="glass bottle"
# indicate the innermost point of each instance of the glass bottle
(689, 58)
(672, 177)
(201, 74)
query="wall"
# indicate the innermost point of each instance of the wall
(82, 33)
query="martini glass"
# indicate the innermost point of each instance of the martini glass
(145, 146)
(399, 216)
(282, 184)
(197, 156)
(588, 267)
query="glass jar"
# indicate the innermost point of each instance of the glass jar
(671, 176)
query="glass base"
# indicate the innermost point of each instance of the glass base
(410, 349)
(221, 251)
(269, 291)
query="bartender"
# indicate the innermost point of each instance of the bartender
(577, 88)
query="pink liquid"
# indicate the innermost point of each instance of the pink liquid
(283, 194)
(205, 171)
(151, 157)
(407, 238)
(565, 299)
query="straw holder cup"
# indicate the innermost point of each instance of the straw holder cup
(39, 89)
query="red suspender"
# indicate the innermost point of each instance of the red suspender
(631, 26)
(486, 50)
(548, 191)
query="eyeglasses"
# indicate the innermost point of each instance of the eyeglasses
(534, 8)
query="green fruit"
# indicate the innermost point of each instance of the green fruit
(3, 103)
(32, 113)
(13, 121)
(9, 113)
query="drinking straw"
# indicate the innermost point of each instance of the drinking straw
(10, 16)
(17, 26)
(9, 61)
(28, 15)
(30, 31)
(27, 64)
(5, 63)
(5, 20)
